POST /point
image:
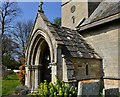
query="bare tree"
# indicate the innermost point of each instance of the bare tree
(21, 34)
(0, 50)
(8, 49)
(8, 45)
(9, 11)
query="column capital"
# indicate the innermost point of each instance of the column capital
(53, 64)
(33, 67)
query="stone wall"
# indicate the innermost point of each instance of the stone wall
(87, 68)
(77, 69)
(111, 83)
(81, 11)
(104, 39)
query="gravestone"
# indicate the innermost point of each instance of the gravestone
(111, 92)
(88, 88)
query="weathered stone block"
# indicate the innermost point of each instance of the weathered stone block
(108, 83)
(88, 88)
(111, 92)
(70, 74)
(93, 70)
(22, 90)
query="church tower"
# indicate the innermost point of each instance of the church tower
(75, 11)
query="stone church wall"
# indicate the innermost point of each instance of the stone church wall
(79, 69)
(87, 68)
(104, 39)
(74, 11)
(67, 15)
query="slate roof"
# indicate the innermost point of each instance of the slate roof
(73, 44)
(104, 10)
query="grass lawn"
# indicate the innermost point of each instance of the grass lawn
(9, 84)
(0, 86)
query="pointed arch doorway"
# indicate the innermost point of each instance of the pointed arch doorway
(40, 55)
(44, 60)
(40, 70)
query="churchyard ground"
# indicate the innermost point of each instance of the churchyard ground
(9, 84)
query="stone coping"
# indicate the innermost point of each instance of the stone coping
(89, 80)
(111, 78)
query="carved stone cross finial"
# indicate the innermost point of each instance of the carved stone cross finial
(40, 7)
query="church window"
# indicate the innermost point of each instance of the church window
(73, 8)
(86, 69)
(73, 19)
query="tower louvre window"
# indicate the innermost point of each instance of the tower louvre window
(73, 19)
(73, 8)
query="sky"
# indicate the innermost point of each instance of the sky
(29, 10)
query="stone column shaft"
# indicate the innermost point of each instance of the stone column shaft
(26, 76)
(36, 78)
(33, 80)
